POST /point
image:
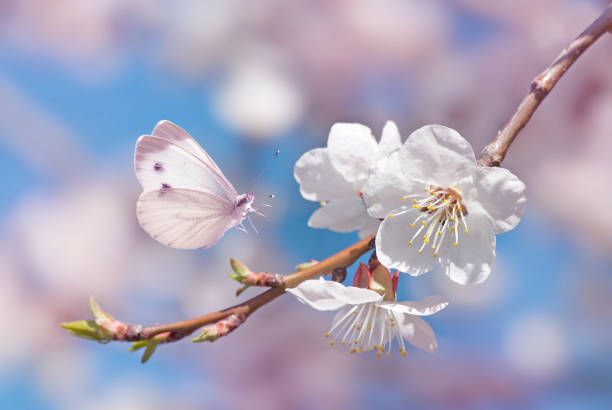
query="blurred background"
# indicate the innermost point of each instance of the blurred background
(81, 80)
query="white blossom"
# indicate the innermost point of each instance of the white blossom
(370, 319)
(336, 175)
(439, 206)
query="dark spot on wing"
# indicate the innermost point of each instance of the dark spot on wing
(164, 189)
(158, 167)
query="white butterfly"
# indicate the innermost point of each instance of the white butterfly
(187, 202)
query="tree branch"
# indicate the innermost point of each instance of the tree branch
(493, 154)
(106, 328)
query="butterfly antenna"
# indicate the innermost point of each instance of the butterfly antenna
(263, 170)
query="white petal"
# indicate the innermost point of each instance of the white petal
(315, 293)
(352, 295)
(389, 141)
(392, 246)
(472, 260)
(369, 227)
(437, 155)
(425, 307)
(318, 179)
(502, 196)
(387, 185)
(417, 332)
(352, 150)
(340, 215)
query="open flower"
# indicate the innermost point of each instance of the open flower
(336, 175)
(369, 317)
(439, 206)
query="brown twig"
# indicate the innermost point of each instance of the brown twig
(493, 154)
(179, 330)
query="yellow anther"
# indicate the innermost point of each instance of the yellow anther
(433, 246)
(466, 231)
(403, 354)
(352, 351)
(388, 355)
(392, 215)
(439, 232)
(392, 324)
(423, 223)
(410, 243)
(378, 355)
(343, 342)
(331, 342)
(415, 206)
(412, 225)
(435, 255)
(414, 200)
(404, 198)
(360, 349)
(420, 251)
(323, 203)
(452, 218)
(326, 334)
(456, 244)
(356, 341)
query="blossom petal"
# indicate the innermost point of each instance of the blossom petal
(472, 260)
(352, 295)
(437, 155)
(315, 293)
(340, 215)
(416, 331)
(502, 196)
(390, 140)
(318, 179)
(386, 186)
(369, 227)
(352, 150)
(392, 246)
(425, 307)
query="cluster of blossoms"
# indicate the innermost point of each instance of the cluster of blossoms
(428, 202)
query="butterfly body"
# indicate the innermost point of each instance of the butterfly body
(186, 201)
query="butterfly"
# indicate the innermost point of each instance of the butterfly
(187, 202)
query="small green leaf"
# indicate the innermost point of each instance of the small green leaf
(100, 315)
(304, 266)
(138, 345)
(206, 335)
(151, 346)
(240, 268)
(87, 329)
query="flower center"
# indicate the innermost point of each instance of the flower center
(367, 327)
(443, 214)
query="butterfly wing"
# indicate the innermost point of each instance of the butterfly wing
(185, 218)
(173, 133)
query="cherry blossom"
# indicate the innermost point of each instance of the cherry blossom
(336, 175)
(369, 318)
(439, 206)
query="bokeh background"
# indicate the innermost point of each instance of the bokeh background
(81, 80)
